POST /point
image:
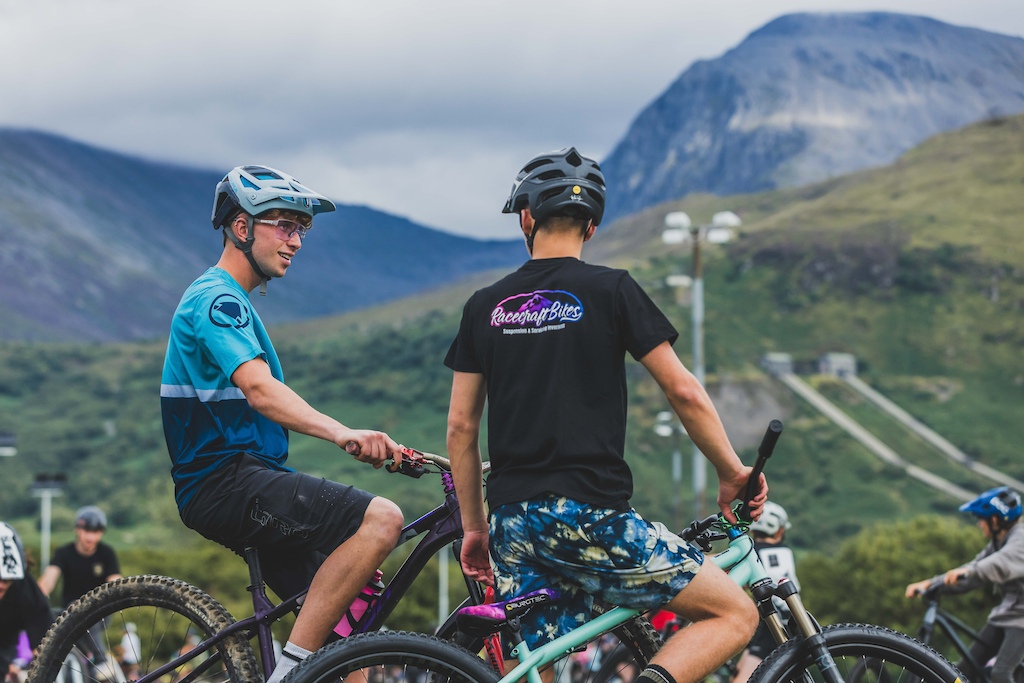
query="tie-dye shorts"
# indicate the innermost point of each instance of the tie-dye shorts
(584, 552)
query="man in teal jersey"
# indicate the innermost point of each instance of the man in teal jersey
(227, 414)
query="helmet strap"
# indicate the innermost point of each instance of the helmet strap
(246, 248)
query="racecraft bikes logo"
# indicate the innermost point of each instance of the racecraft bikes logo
(538, 311)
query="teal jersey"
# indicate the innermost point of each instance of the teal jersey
(207, 420)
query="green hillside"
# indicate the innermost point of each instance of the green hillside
(913, 268)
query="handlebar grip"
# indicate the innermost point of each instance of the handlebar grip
(764, 451)
(697, 527)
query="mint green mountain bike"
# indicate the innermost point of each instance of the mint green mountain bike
(809, 655)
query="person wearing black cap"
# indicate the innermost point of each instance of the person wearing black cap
(85, 563)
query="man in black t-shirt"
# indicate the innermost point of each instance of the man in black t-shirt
(545, 348)
(85, 563)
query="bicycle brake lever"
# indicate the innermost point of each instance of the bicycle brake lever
(411, 465)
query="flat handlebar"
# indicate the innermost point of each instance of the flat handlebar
(413, 461)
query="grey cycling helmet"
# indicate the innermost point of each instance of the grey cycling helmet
(258, 189)
(12, 554)
(557, 180)
(773, 518)
(90, 518)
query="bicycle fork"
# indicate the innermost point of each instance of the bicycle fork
(814, 642)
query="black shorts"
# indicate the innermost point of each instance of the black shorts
(294, 519)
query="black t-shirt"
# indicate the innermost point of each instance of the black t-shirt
(22, 608)
(81, 574)
(550, 340)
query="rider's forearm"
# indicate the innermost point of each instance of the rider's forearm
(467, 473)
(697, 413)
(465, 413)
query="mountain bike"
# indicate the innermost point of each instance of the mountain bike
(189, 636)
(951, 626)
(809, 654)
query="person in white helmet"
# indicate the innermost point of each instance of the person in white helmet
(23, 607)
(769, 534)
(227, 414)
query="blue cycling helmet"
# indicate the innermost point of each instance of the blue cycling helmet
(1002, 502)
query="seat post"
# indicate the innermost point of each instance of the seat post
(252, 559)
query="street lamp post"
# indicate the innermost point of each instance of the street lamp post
(46, 487)
(666, 425)
(681, 229)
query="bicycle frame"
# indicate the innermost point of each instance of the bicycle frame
(950, 624)
(442, 526)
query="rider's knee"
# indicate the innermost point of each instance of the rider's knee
(747, 619)
(384, 519)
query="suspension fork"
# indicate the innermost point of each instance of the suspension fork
(814, 642)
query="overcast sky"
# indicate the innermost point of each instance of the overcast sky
(423, 108)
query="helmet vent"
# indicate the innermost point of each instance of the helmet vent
(574, 159)
(536, 164)
(550, 175)
(548, 194)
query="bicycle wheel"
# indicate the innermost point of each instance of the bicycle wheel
(875, 653)
(392, 657)
(170, 617)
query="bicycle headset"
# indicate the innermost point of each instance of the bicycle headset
(90, 518)
(12, 554)
(255, 190)
(555, 181)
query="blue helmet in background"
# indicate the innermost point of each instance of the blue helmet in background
(1002, 502)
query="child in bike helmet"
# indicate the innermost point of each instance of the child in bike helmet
(23, 607)
(769, 534)
(1001, 562)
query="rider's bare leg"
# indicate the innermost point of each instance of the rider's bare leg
(723, 619)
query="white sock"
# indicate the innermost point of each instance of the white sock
(291, 655)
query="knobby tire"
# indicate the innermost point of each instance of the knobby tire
(166, 612)
(394, 657)
(859, 649)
